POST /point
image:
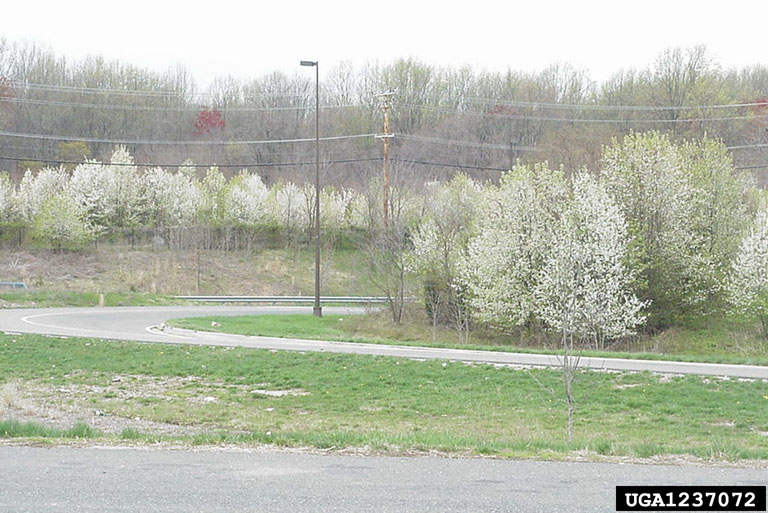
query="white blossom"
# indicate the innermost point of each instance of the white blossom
(248, 199)
(36, 189)
(171, 198)
(748, 286)
(288, 206)
(584, 287)
(7, 205)
(515, 230)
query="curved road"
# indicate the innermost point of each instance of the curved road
(144, 324)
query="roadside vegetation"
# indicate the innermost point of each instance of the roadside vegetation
(56, 298)
(603, 240)
(138, 393)
(714, 340)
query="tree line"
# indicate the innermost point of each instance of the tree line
(661, 231)
(443, 119)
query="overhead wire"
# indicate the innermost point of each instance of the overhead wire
(132, 92)
(153, 164)
(51, 137)
(455, 142)
(196, 108)
(575, 120)
(457, 98)
(587, 106)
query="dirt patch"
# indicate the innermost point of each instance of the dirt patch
(103, 404)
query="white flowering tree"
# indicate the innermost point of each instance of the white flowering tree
(127, 203)
(583, 290)
(721, 212)
(748, 286)
(333, 210)
(7, 207)
(171, 199)
(439, 248)
(34, 190)
(248, 197)
(60, 223)
(650, 179)
(515, 230)
(91, 187)
(109, 194)
(214, 198)
(288, 207)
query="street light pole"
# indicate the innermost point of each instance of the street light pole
(317, 310)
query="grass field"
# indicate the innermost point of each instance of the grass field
(713, 341)
(236, 395)
(54, 298)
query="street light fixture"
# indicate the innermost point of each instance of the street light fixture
(317, 310)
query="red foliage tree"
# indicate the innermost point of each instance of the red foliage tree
(208, 120)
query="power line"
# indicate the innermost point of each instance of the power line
(457, 166)
(583, 106)
(249, 164)
(763, 166)
(747, 146)
(50, 137)
(135, 92)
(454, 142)
(575, 120)
(105, 106)
(468, 99)
(243, 165)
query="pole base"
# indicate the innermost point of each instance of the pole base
(317, 311)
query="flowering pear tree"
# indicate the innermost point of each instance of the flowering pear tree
(125, 190)
(6, 198)
(333, 209)
(36, 189)
(91, 187)
(248, 199)
(214, 196)
(440, 246)
(288, 206)
(516, 222)
(721, 212)
(647, 175)
(748, 286)
(171, 199)
(60, 223)
(583, 290)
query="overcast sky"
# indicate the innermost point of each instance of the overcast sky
(249, 39)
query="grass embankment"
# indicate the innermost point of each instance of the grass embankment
(121, 268)
(248, 396)
(712, 341)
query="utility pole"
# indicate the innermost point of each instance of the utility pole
(512, 153)
(317, 310)
(386, 106)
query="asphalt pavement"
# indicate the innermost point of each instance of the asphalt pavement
(66, 479)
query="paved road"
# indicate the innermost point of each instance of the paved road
(140, 323)
(66, 479)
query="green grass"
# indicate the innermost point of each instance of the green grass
(387, 404)
(56, 298)
(16, 429)
(717, 341)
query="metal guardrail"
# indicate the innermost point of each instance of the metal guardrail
(285, 299)
(13, 285)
